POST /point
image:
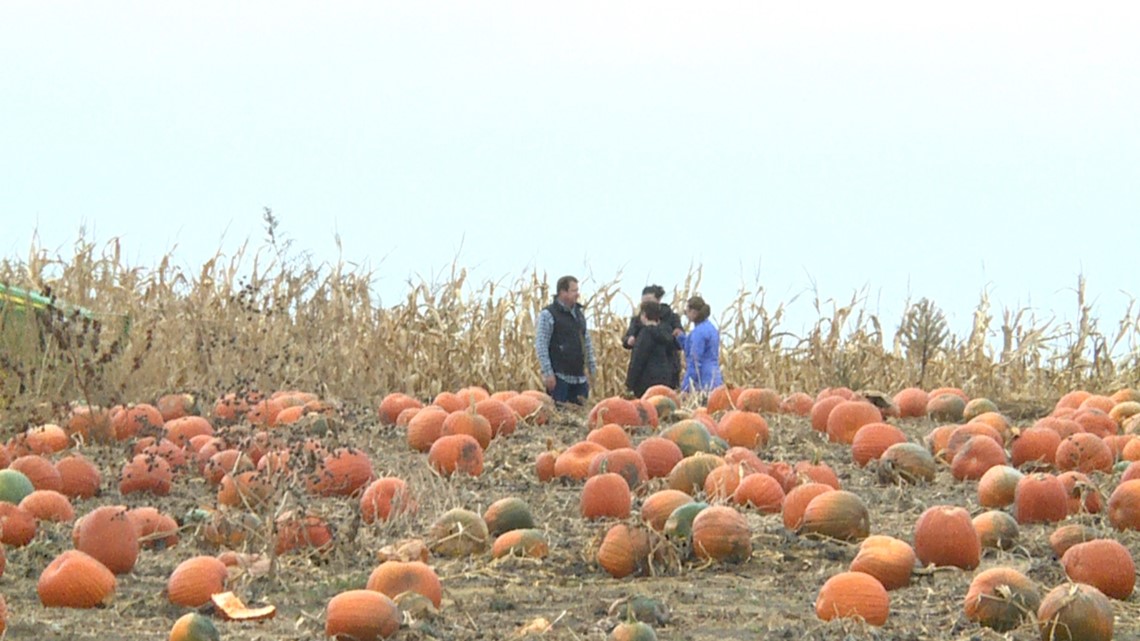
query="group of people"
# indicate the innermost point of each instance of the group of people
(655, 338)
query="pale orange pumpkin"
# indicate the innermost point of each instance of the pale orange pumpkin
(1040, 498)
(195, 580)
(384, 498)
(396, 577)
(456, 453)
(1104, 564)
(886, 558)
(361, 615)
(837, 514)
(108, 534)
(721, 533)
(75, 580)
(853, 595)
(944, 535)
(79, 477)
(624, 551)
(605, 496)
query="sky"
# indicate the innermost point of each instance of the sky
(893, 149)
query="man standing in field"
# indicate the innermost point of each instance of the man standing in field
(563, 346)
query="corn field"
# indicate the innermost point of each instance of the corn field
(256, 320)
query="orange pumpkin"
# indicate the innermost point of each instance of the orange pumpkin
(297, 532)
(574, 462)
(1036, 446)
(345, 472)
(48, 505)
(624, 551)
(797, 404)
(853, 595)
(180, 430)
(249, 490)
(195, 580)
(837, 514)
(624, 461)
(657, 507)
(796, 502)
(394, 403)
(526, 542)
(425, 427)
(75, 580)
(721, 533)
(822, 410)
(193, 627)
(396, 577)
(499, 415)
(133, 419)
(39, 471)
(384, 498)
(660, 456)
(47, 439)
(108, 534)
(1104, 564)
(977, 455)
(361, 615)
(605, 496)
(744, 429)
(886, 558)
(846, 419)
(1083, 494)
(456, 453)
(758, 400)
(1084, 452)
(157, 531)
(79, 477)
(872, 440)
(944, 535)
(146, 473)
(998, 486)
(529, 409)
(1040, 498)
(721, 482)
(17, 525)
(617, 410)
(610, 436)
(759, 491)
(469, 423)
(912, 402)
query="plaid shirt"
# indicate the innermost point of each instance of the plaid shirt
(542, 346)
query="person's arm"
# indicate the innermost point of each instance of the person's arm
(591, 360)
(631, 333)
(542, 335)
(640, 358)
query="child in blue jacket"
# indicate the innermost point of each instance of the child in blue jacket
(702, 349)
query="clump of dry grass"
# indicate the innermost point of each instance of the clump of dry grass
(261, 320)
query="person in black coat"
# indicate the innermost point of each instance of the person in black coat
(669, 320)
(652, 360)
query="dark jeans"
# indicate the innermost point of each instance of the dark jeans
(569, 392)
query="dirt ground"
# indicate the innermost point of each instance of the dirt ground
(769, 597)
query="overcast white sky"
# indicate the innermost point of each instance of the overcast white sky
(929, 149)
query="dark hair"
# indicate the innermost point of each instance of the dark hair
(565, 282)
(657, 291)
(698, 305)
(651, 310)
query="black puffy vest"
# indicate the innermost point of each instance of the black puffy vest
(568, 340)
